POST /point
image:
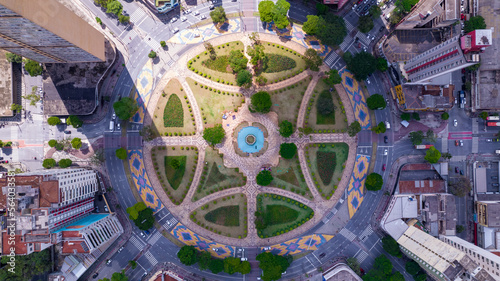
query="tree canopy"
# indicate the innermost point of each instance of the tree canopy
(312, 25)
(264, 178)
(382, 64)
(76, 143)
(376, 101)
(445, 116)
(380, 128)
(26, 267)
(365, 23)
(121, 153)
(53, 120)
(261, 102)
(416, 137)
(476, 22)
(244, 78)
(49, 163)
(313, 59)
(406, 5)
(33, 68)
(133, 211)
(483, 115)
(65, 163)
(374, 182)
(460, 187)
(214, 135)
(125, 108)
(321, 8)
(288, 150)
(187, 255)
(216, 265)
(286, 128)
(266, 11)
(375, 11)
(13, 58)
(272, 265)
(324, 104)
(412, 267)
(145, 219)
(432, 155)
(354, 128)
(333, 77)
(218, 15)
(391, 246)
(280, 11)
(74, 121)
(237, 61)
(332, 30)
(406, 116)
(362, 65)
(114, 7)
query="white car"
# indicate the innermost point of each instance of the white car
(368, 81)
(196, 13)
(244, 259)
(354, 7)
(174, 19)
(183, 19)
(385, 151)
(267, 248)
(455, 122)
(118, 126)
(461, 143)
(106, 208)
(203, 17)
(188, 11)
(114, 116)
(176, 30)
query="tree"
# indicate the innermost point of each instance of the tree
(332, 30)
(376, 101)
(381, 62)
(430, 136)
(204, 259)
(114, 7)
(445, 116)
(16, 107)
(133, 211)
(313, 59)
(432, 155)
(324, 105)
(397, 276)
(123, 19)
(354, 128)
(406, 5)
(391, 246)
(380, 128)
(76, 143)
(163, 44)
(214, 135)
(261, 80)
(132, 264)
(218, 15)
(261, 102)
(459, 228)
(52, 143)
(446, 155)
(119, 276)
(266, 11)
(121, 153)
(53, 121)
(421, 277)
(264, 178)
(125, 108)
(272, 265)
(49, 163)
(237, 61)
(152, 54)
(483, 115)
(460, 187)
(365, 23)
(322, 9)
(286, 128)
(187, 255)
(354, 265)
(362, 65)
(27, 267)
(258, 57)
(333, 78)
(383, 264)
(98, 20)
(415, 116)
(65, 163)
(476, 22)
(216, 265)
(405, 116)
(13, 58)
(288, 150)
(374, 182)
(33, 68)
(412, 268)
(311, 26)
(280, 11)
(74, 121)
(474, 67)
(145, 220)
(210, 48)
(375, 11)
(416, 137)
(33, 97)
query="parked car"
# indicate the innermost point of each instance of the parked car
(461, 172)
(183, 19)
(457, 170)
(196, 13)
(461, 143)
(176, 30)
(108, 262)
(244, 259)
(385, 151)
(457, 143)
(495, 184)
(383, 167)
(146, 232)
(211, 7)
(494, 178)
(143, 235)
(488, 140)
(106, 208)
(95, 275)
(455, 122)
(203, 17)
(174, 19)
(386, 139)
(67, 132)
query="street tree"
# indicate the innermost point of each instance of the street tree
(313, 59)
(430, 136)
(476, 22)
(365, 23)
(133, 211)
(374, 182)
(375, 11)
(383, 264)
(152, 54)
(406, 116)
(244, 78)
(123, 19)
(397, 276)
(332, 78)
(460, 187)
(261, 102)
(76, 143)
(145, 220)
(33, 68)
(322, 9)
(391, 246)
(446, 155)
(16, 107)
(415, 116)
(163, 44)
(280, 11)
(49, 163)
(332, 30)
(286, 128)
(13, 58)
(218, 15)
(412, 268)
(125, 108)
(445, 116)
(483, 115)
(204, 259)
(114, 7)
(266, 11)
(380, 128)
(382, 64)
(53, 120)
(416, 137)
(74, 121)
(354, 265)
(121, 153)
(312, 25)
(187, 255)
(273, 265)
(133, 264)
(432, 155)
(216, 265)
(65, 163)
(288, 150)
(362, 65)
(354, 128)
(376, 101)
(237, 61)
(264, 178)
(214, 135)
(52, 143)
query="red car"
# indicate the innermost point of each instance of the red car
(383, 167)
(462, 16)
(456, 170)
(456, 143)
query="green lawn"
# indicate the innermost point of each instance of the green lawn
(213, 70)
(219, 64)
(226, 216)
(288, 175)
(273, 49)
(168, 119)
(214, 103)
(328, 118)
(333, 123)
(173, 115)
(279, 63)
(281, 214)
(326, 163)
(286, 101)
(174, 176)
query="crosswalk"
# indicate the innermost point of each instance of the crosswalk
(363, 38)
(137, 243)
(151, 258)
(367, 232)
(154, 238)
(345, 45)
(349, 26)
(137, 15)
(155, 45)
(347, 234)
(361, 256)
(170, 223)
(331, 58)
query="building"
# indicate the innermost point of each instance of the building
(431, 14)
(162, 6)
(485, 259)
(47, 32)
(338, 4)
(453, 54)
(340, 272)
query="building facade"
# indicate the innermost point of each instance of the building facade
(47, 32)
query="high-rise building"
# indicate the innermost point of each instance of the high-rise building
(453, 54)
(47, 32)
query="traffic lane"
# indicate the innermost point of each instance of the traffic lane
(109, 21)
(456, 148)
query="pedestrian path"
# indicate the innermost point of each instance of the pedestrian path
(367, 232)
(347, 234)
(361, 256)
(331, 59)
(346, 44)
(356, 187)
(153, 239)
(170, 223)
(137, 15)
(349, 26)
(363, 37)
(151, 258)
(155, 45)
(137, 243)
(357, 98)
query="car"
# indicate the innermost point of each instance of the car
(113, 117)
(461, 172)
(174, 19)
(322, 255)
(365, 9)
(97, 209)
(67, 132)
(495, 184)
(145, 273)
(366, 13)
(108, 262)
(121, 249)
(267, 248)
(354, 7)
(456, 101)
(95, 275)
(368, 81)
(106, 208)
(385, 151)
(143, 235)
(463, 79)
(386, 139)
(382, 28)
(284, 272)
(461, 143)
(183, 19)
(488, 140)
(234, 0)
(211, 7)
(496, 140)
(176, 30)
(372, 37)
(383, 167)
(146, 232)
(118, 126)
(494, 178)
(455, 122)
(457, 143)
(215, 250)
(244, 259)
(196, 13)
(188, 11)
(457, 170)
(203, 17)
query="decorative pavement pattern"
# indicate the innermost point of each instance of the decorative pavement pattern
(190, 238)
(204, 33)
(357, 98)
(299, 36)
(299, 245)
(144, 88)
(141, 180)
(356, 187)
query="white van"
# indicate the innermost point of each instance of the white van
(111, 125)
(497, 151)
(387, 125)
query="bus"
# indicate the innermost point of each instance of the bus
(493, 118)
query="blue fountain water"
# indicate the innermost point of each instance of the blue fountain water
(242, 139)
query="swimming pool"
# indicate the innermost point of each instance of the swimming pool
(250, 139)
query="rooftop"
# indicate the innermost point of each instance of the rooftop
(5, 85)
(419, 97)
